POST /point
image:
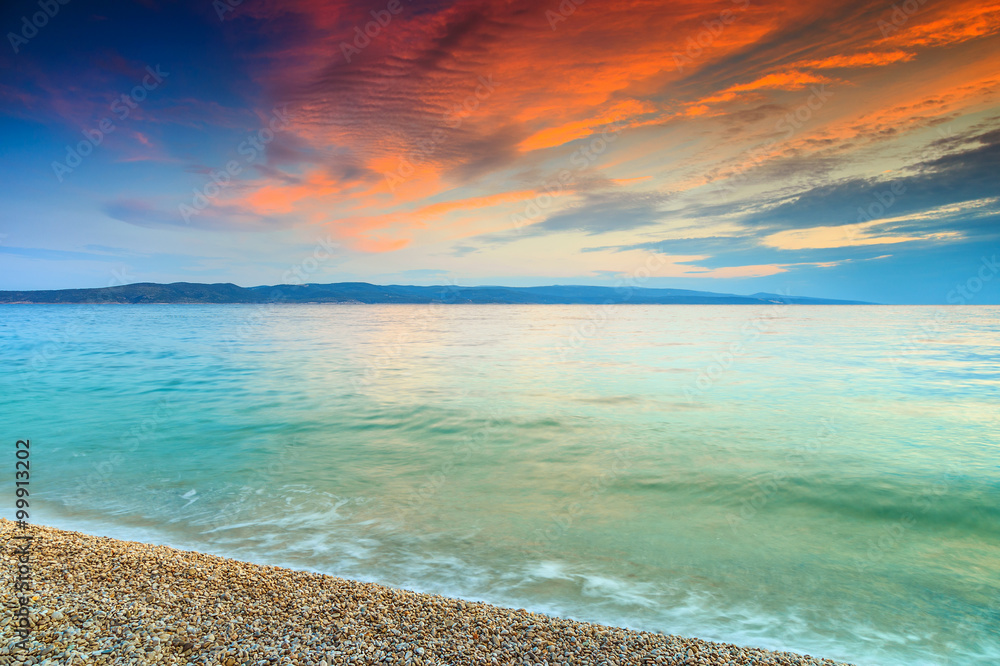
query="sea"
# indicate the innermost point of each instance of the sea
(819, 479)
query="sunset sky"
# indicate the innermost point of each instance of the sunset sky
(844, 149)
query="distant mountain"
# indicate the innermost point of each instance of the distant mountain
(363, 292)
(801, 300)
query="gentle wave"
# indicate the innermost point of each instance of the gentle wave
(832, 489)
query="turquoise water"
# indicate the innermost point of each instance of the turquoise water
(819, 479)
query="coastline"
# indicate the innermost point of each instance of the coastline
(106, 601)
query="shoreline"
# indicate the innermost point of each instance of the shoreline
(116, 601)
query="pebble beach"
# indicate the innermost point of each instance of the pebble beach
(97, 600)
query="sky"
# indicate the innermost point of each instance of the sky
(845, 149)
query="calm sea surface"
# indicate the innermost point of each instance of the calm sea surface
(814, 478)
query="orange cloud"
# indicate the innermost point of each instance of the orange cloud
(370, 234)
(790, 80)
(378, 245)
(406, 104)
(473, 203)
(274, 198)
(793, 80)
(871, 59)
(852, 235)
(557, 136)
(962, 23)
(758, 270)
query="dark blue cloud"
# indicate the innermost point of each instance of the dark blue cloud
(963, 176)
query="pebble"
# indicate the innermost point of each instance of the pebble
(103, 601)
